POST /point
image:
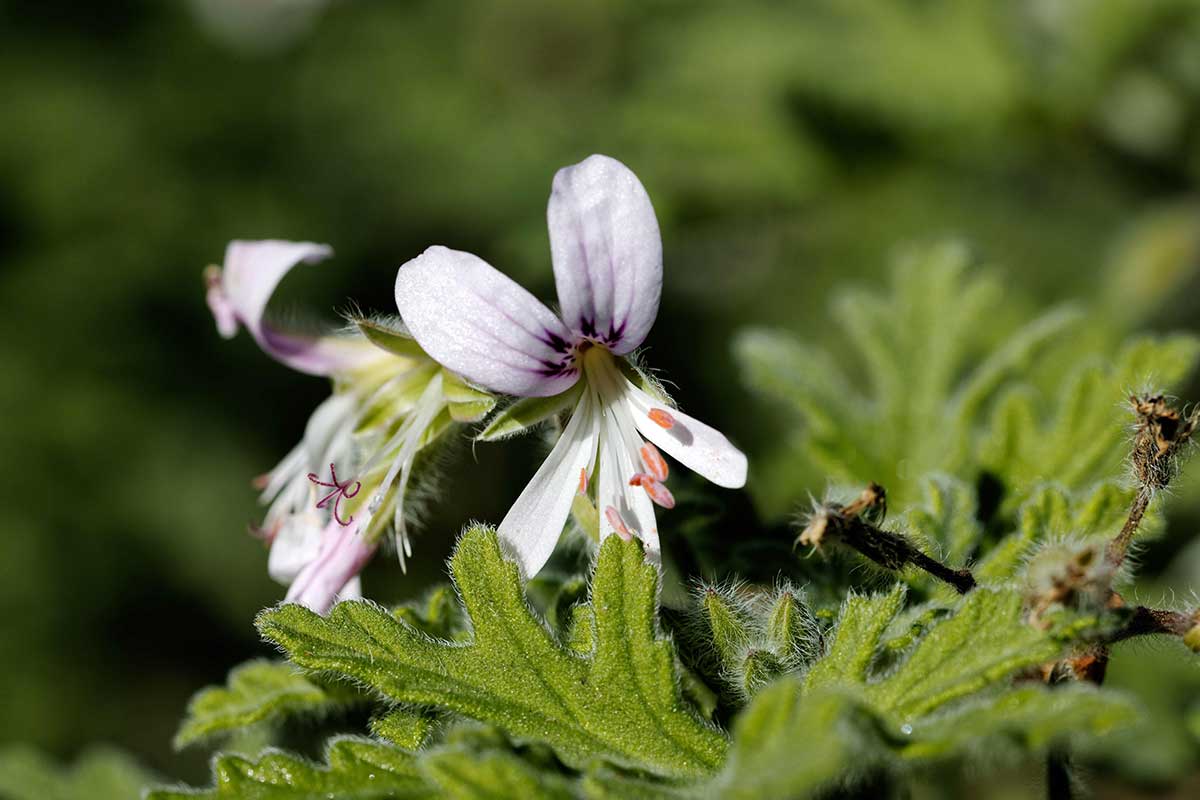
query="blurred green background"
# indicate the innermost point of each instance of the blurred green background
(788, 148)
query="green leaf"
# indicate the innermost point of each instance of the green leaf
(258, 691)
(856, 640)
(402, 727)
(978, 646)
(620, 703)
(1051, 512)
(1032, 718)
(465, 774)
(527, 412)
(98, 774)
(1083, 438)
(786, 744)
(355, 769)
(928, 365)
(437, 614)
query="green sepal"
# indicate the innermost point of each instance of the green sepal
(466, 403)
(390, 334)
(527, 412)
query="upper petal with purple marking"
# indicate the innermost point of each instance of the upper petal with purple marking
(478, 322)
(607, 252)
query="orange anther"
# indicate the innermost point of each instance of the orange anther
(582, 480)
(656, 465)
(661, 418)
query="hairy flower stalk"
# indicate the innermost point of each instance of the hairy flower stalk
(389, 401)
(607, 257)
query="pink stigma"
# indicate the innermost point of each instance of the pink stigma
(340, 490)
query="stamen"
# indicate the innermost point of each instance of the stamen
(661, 418)
(659, 493)
(261, 482)
(618, 524)
(340, 490)
(639, 477)
(582, 480)
(655, 464)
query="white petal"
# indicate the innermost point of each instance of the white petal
(618, 444)
(533, 525)
(689, 441)
(327, 436)
(478, 322)
(295, 545)
(607, 252)
(342, 556)
(252, 271)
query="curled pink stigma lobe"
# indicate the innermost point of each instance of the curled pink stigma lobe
(340, 491)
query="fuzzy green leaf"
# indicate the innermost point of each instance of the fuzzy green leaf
(464, 774)
(620, 703)
(1031, 717)
(259, 691)
(983, 642)
(786, 744)
(402, 727)
(437, 614)
(928, 366)
(1084, 439)
(355, 769)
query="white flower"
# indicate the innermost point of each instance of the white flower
(607, 255)
(390, 400)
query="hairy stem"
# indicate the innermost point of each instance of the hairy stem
(1118, 548)
(1150, 621)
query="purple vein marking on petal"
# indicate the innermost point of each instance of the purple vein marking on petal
(513, 348)
(612, 267)
(520, 367)
(488, 302)
(587, 274)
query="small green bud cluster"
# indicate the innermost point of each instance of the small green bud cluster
(758, 635)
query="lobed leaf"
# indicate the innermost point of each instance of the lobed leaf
(620, 702)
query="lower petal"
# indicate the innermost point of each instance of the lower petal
(533, 525)
(700, 448)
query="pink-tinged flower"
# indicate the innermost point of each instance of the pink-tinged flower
(238, 295)
(607, 257)
(390, 401)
